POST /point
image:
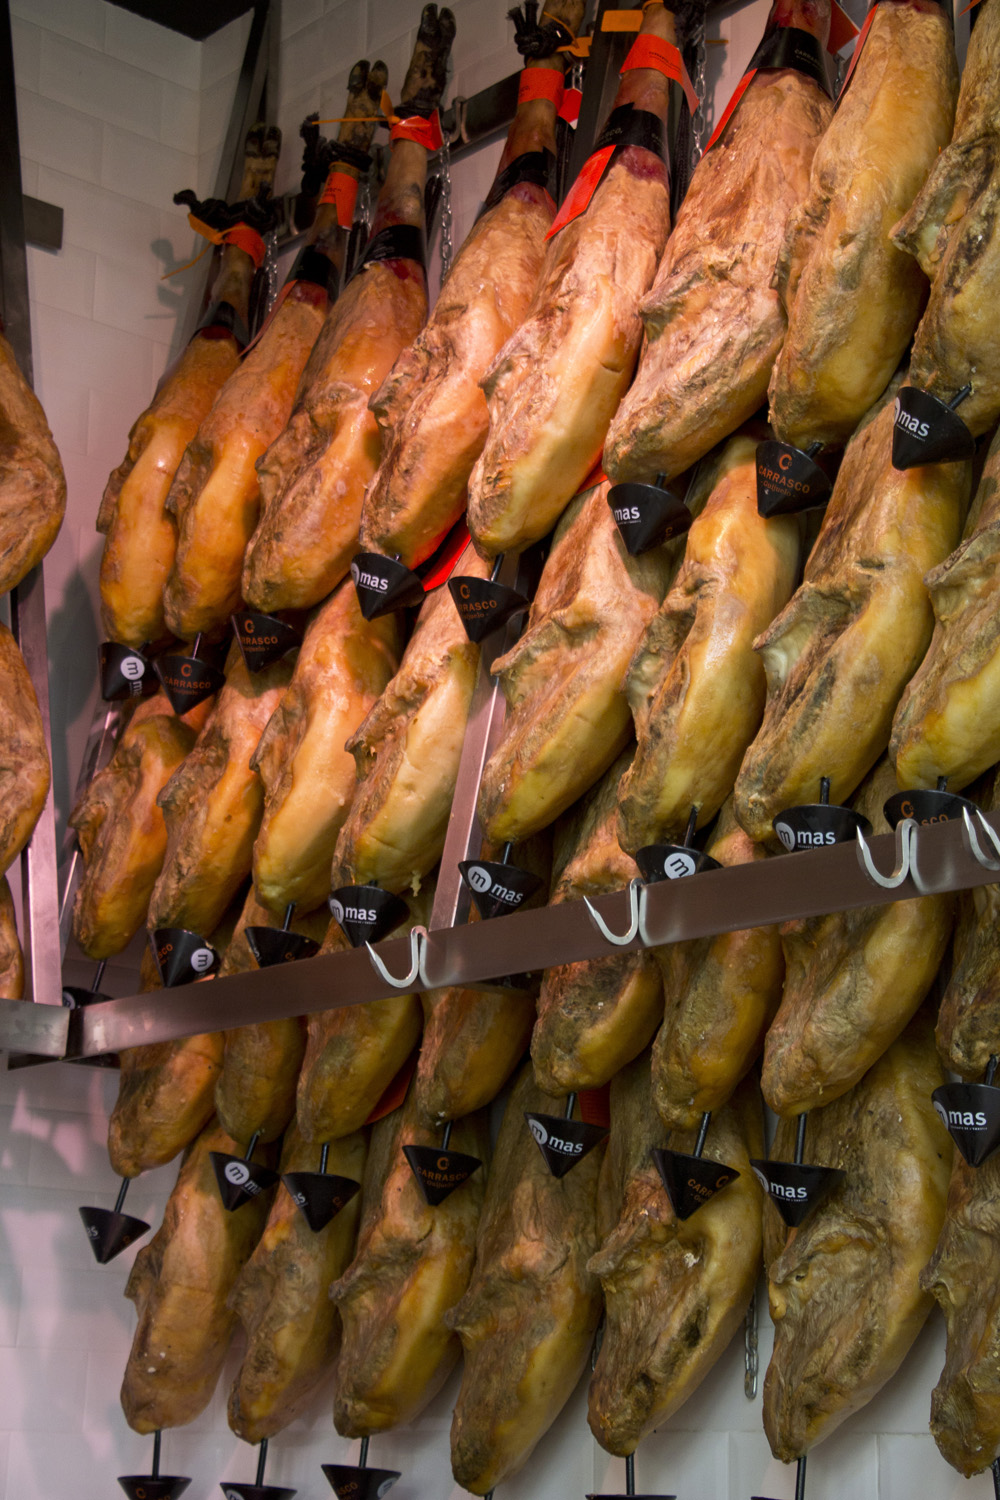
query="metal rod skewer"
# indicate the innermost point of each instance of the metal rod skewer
(800, 1140)
(261, 1461)
(630, 1474)
(699, 1144)
(121, 1194)
(363, 1458)
(324, 1156)
(991, 1069)
(800, 1477)
(446, 1138)
(570, 1106)
(157, 1436)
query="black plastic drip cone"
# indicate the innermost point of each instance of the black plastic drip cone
(240, 1178)
(76, 996)
(153, 1487)
(497, 887)
(263, 639)
(647, 514)
(351, 1482)
(927, 430)
(319, 1196)
(563, 1142)
(125, 673)
(925, 805)
(187, 680)
(484, 605)
(672, 862)
(691, 1181)
(813, 825)
(182, 956)
(109, 1230)
(795, 1187)
(234, 1491)
(274, 945)
(789, 480)
(970, 1113)
(366, 913)
(384, 584)
(440, 1171)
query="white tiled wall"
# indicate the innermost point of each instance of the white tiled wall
(116, 114)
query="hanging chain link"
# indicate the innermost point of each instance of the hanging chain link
(444, 169)
(270, 269)
(698, 121)
(751, 1359)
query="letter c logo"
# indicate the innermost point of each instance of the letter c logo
(186, 669)
(785, 461)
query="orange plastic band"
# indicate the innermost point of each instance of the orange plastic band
(395, 1093)
(450, 550)
(341, 189)
(654, 52)
(741, 89)
(569, 109)
(578, 198)
(595, 477)
(971, 6)
(240, 235)
(595, 1105)
(426, 133)
(859, 46)
(621, 20)
(541, 83)
(842, 29)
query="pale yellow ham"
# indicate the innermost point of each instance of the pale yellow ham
(24, 757)
(11, 957)
(32, 482)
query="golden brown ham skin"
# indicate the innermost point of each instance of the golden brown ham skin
(720, 995)
(594, 1016)
(554, 386)
(413, 1263)
(24, 756)
(675, 1290)
(695, 686)
(968, 1025)
(165, 1093)
(853, 979)
(407, 752)
(713, 323)
(844, 1291)
(180, 1283)
(255, 1092)
(951, 231)
(32, 482)
(852, 297)
(282, 1298)
(531, 1310)
(962, 1277)
(213, 803)
(11, 957)
(948, 719)
(120, 828)
(567, 714)
(344, 664)
(839, 655)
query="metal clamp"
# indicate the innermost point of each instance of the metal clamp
(418, 940)
(975, 847)
(636, 894)
(906, 849)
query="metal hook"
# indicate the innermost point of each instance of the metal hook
(417, 936)
(975, 847)
(635, 886)
(906, 842)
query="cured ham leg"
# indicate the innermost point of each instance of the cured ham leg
(407, 752)
(529, 1316)
(24, 756)
(675, 1290)
(180, 1283)
(412, 1265)
(32, 482)
(165, 1093)
(720, 995)
(120, 828)
(845, 1290)
(140, 533)
(695, 686)
(852, 297)
(948, 719)
(839, 655)
(282, 1299)
(343, 666)
(962, 1277)
(554, 386)
(596, 1015)
(568, 717)
(255, 1092)
(213, 803)
(11, 957)
(431, 410)
(313, 479)
(968, 1026)
(951, 231)
(215, 494)
(713, 323)
(853, 980)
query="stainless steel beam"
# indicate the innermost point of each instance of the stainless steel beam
(36, 1029)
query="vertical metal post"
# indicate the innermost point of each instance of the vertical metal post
(27, 605)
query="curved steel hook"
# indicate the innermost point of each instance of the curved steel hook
(975, 847)
(906, 848)
(635, 886)
(417, 935)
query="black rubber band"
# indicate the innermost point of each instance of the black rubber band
(628, 126)
(312, 265)
(530, 166)
(351, 156)
(395, 242)
(788, 47)
(224, 315)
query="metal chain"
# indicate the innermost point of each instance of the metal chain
(444, 169)
(751, 1359)
(698, 121)
(270, 269)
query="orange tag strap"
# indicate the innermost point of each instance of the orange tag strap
(541, 83)
(859, 47)
(842, 29)
(741, 89)
(341, 189)
(595, 1105)
(451, 549)
(569, 109)
(395, 1093)
(621, 20)
(654, 52)
(240, 235)
(426, 133)
(578, 198)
